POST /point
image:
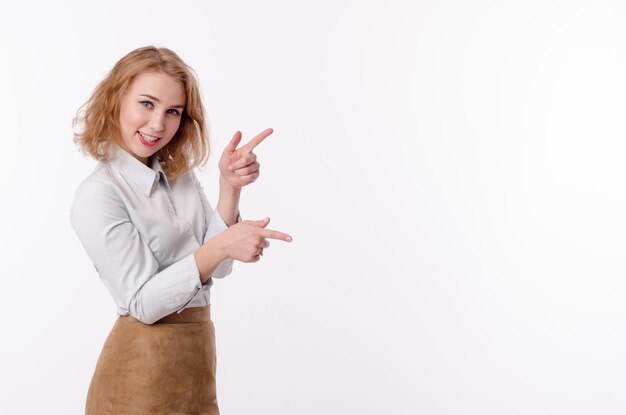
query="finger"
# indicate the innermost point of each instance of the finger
(272, 234)
(262, 223)
(249, 178)
(234, 142)
(257, 140)
(253, 168)
(265, 244)
(243, 161)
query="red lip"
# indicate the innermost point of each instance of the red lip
(146, 143)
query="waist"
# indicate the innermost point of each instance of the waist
(188, 315)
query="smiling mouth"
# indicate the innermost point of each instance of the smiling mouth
(148, 138)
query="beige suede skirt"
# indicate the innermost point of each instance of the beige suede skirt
(163, 368)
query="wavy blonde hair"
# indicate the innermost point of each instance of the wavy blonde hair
(96, 123)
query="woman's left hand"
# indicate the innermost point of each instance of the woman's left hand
(238, 166)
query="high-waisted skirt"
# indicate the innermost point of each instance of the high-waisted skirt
(163, 368)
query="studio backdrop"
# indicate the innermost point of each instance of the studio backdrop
(452, 174)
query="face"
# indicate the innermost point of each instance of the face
(150, 113)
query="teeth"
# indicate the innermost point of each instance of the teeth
(148, 137)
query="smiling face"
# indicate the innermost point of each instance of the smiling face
(150, 113)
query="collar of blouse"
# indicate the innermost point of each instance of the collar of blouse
(141, 177)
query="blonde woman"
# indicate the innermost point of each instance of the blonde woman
(155, 240)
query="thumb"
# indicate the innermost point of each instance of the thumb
(261, 223)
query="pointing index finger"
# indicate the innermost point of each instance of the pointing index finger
(257, 139)
(272, 234)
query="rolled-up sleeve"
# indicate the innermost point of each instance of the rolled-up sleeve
(124, 261)
(214, 225)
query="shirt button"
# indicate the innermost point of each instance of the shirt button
(171, 209)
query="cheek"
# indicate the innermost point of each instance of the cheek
(173, 126)
(131, 119)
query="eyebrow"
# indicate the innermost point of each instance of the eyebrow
(157, 100)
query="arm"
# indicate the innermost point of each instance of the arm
(125, 262)
(208, 258)
(228, 202)
(214, 226)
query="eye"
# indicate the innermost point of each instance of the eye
(173, 111)
(147, 104)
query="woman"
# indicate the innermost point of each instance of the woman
(155, 240)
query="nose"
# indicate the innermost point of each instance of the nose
(157, 122)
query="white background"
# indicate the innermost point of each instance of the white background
(452, 174)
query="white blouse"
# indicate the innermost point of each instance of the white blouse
(141, 232)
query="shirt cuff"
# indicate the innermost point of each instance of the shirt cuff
(193, 285)
(217, 224)
(175, 287)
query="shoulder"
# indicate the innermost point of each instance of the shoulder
(97, 191)
(191, 177)
(98, 182)
(186, 181)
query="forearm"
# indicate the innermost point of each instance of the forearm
(209, 256)
(228, 203)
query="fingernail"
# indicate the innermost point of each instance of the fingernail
(288, 239)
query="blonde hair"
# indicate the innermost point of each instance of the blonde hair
(99, 116)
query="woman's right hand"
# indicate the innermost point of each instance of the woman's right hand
(245, 241)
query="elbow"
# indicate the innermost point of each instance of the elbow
(145, 320)
(139, 312)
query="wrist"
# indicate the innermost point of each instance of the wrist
(227, 187)
(216, 245)
(208, 257)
